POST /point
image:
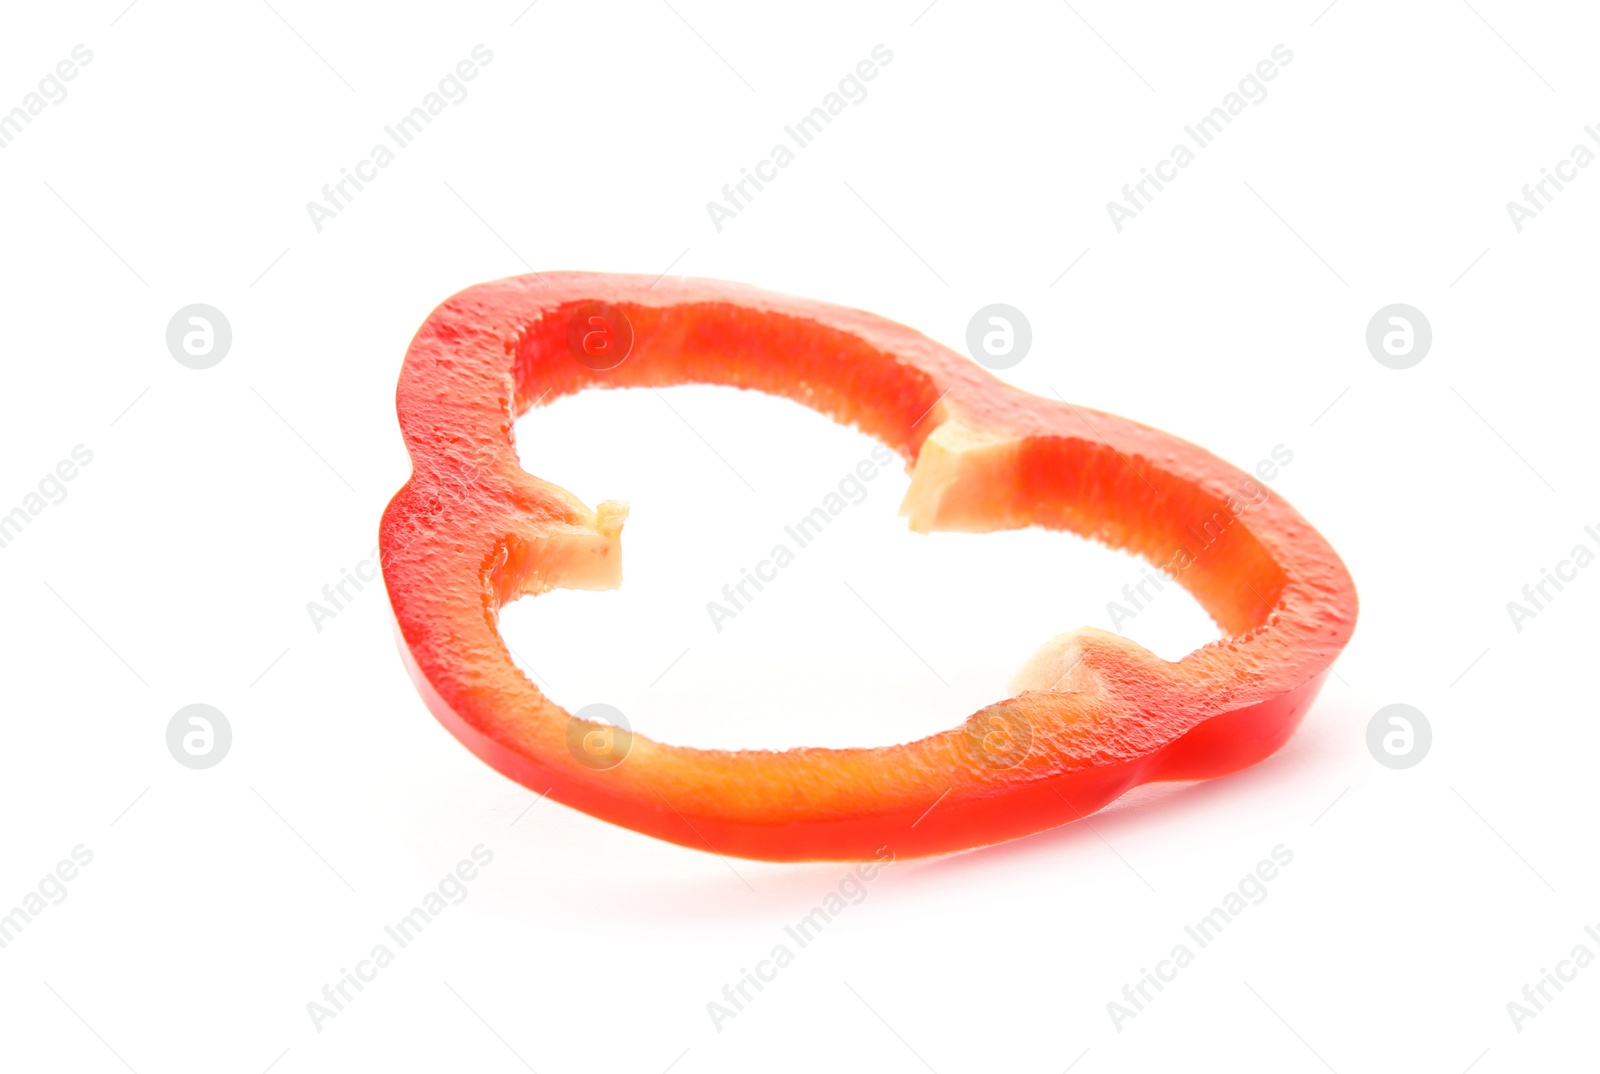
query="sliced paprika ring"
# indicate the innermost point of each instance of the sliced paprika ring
(1094, 714)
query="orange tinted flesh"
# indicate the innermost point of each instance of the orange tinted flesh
(471, 531)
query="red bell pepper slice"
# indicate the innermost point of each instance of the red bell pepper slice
(1095, 714)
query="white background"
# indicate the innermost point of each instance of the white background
(1232, 312)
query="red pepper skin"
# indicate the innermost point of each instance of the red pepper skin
(471, 530)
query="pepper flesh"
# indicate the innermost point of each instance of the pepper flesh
(471, 531)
